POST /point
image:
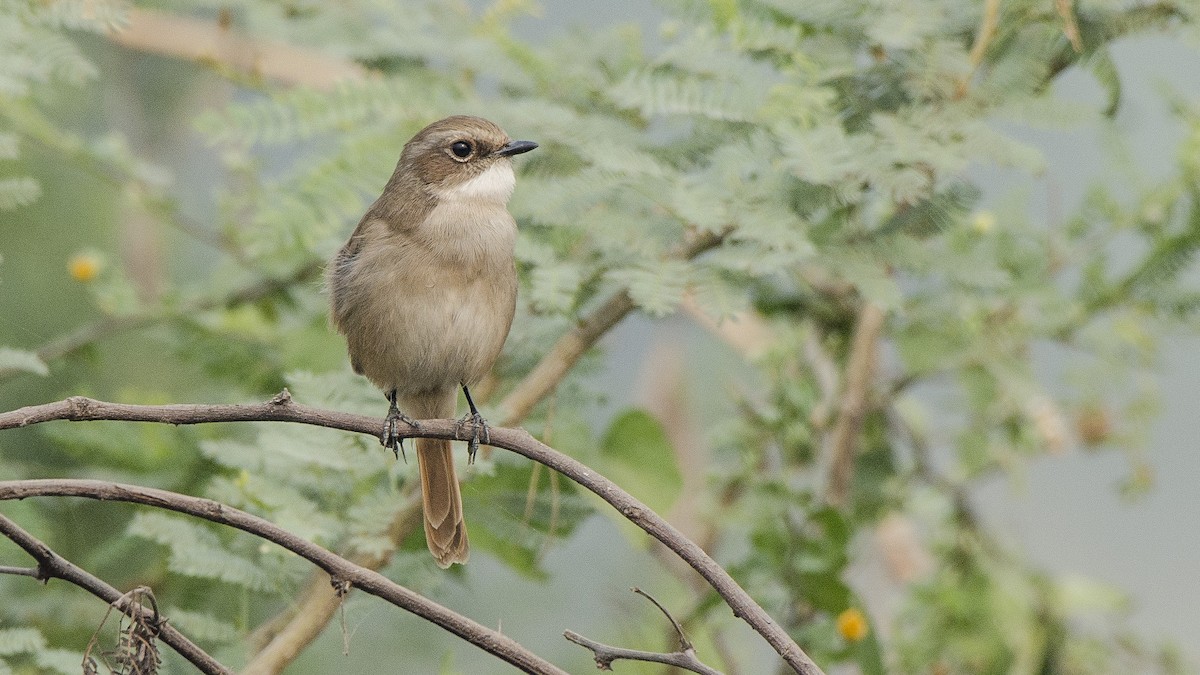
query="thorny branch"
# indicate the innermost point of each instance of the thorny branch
(53, 566)
(339, 569)
(684, 658)
(283, 409)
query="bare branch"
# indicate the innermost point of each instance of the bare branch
(21, 571)
(606, 654)
(286, 638)
(338, 568)
(283, 409)
(53, 566)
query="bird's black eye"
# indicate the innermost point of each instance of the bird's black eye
(461, 149)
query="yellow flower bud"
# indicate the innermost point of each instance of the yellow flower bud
(84, 266)
(852, 625)
(983, 221)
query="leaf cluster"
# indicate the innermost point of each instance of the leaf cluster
(835, 148)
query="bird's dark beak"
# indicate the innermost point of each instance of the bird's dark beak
(516, 148)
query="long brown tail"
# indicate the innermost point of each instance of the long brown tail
(445, 530)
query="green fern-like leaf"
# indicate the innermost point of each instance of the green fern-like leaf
(656, 290)
(195, 551)
(934, 214)
(1105, 70)
(655, 93)
(1167, 260)
(553, 288)
(280, 503)
(299, 114)
(202, 627)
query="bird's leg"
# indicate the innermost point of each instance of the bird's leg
(477, 424)
(390, 438)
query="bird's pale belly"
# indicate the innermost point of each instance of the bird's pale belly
(433, 337)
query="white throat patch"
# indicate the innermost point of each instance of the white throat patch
(494, 185)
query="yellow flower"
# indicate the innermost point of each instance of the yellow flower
(852, 625)
(983, 221)
(84, 266)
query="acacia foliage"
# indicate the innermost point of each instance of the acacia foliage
(835, 147)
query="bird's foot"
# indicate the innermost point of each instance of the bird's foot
(479, 432)
(390, 438)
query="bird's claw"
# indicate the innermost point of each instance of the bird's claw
(479, 431)
(390, 438)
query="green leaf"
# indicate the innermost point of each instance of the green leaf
(637, 455)
(515, 510)
(21, 641)
(203, 627)
(21, 360)
(933, 214)
(656, 290)
(197, 552)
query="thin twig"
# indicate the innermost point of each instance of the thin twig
(53, 566)
(21, 571)
(684, 643)
(604, 655)
(283, 409)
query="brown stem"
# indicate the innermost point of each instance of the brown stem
(300, 625)
(604, 655)
(983, 38)
(53, 566)
(283, 409)
(339, 569)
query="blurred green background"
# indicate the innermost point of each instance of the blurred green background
(1011, 185)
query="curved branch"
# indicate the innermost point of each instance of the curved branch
(340, 570)
(316, 606)
(283, 409)
(53, 566)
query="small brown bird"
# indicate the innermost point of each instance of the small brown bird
(425, 291)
